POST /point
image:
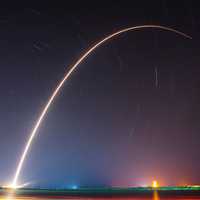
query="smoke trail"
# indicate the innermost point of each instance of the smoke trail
(156, 77)
(66, 76)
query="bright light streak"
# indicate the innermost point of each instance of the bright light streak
(66, 76)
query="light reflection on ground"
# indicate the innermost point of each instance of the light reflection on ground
(155, 196)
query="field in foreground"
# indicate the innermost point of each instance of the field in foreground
(162, 193)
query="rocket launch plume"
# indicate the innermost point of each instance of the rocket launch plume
(66, 76)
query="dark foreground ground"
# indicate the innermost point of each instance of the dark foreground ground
(167, 193)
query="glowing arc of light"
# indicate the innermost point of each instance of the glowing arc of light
(59, 86)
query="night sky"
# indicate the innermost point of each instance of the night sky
(128, 115)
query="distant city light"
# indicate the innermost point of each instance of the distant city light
(74, 187)
(155, 184)
(14, 187)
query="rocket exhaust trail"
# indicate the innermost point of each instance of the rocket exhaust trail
(66, 76)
